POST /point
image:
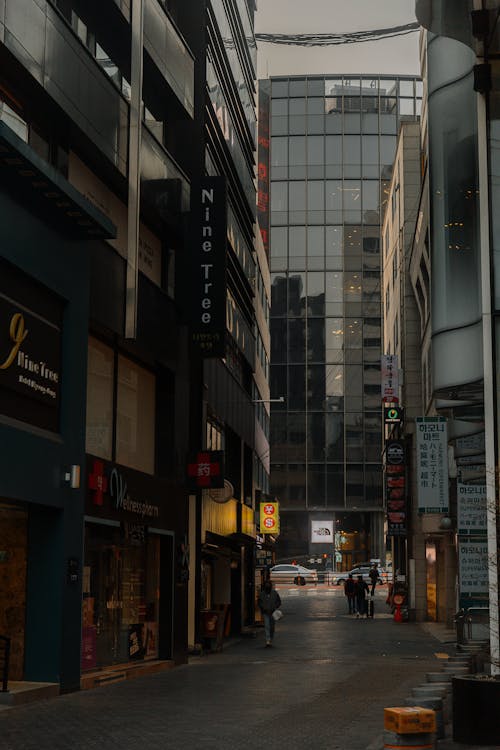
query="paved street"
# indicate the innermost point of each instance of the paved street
(323, 685)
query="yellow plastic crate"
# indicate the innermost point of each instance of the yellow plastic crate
(410, 720)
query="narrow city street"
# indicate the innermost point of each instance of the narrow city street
(323, 685)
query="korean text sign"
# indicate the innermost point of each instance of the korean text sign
(432, 464)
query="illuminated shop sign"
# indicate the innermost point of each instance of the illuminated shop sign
(206, 470)
(269, 518)
(30, 353)
(209, 269)
(108, 487)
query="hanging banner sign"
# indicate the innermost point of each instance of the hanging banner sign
(473, 567)
(209, 285)
(269, 518)
(390, 378)
(471, 508)
(206, 470)
(432, 464)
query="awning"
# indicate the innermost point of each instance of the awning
(47, 192)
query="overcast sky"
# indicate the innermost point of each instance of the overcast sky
(398, 55)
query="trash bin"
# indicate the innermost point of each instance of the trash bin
(476, 699)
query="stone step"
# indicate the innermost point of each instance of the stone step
(27, 692)
(438, 677)
(122, 672)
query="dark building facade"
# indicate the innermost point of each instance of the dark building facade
(332, 142)
(117, 122)
(230, 380)
(94, 381)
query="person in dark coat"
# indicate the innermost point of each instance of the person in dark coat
(361, 592)
(269, 601)
(374, 576)
(350, 592)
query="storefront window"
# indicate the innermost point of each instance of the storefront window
(13, 543)
(99, 434)
(135, 418)
(121, 581)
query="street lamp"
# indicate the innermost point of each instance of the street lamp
(279, 400)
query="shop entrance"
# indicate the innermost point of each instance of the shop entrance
(431, 570)
(13, 558)
(121, 595)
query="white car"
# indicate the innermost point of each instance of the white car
(288, 573)
(361, 570)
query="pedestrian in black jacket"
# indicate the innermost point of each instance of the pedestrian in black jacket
(269, 601)
(350, 592)
(361, 592)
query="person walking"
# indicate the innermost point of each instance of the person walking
(361, 591)
(269, 601)
(350, 592)
(374, 576)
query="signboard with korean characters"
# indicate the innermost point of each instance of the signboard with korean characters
(269, 518)
(471, 508)
(473, 567)
(432, 464)
(395, 487)
(390, 378)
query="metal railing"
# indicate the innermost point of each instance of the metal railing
(4, 661)
(472, 624)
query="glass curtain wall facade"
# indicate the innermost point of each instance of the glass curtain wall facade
(332, 145)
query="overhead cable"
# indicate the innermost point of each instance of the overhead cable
(346, 37)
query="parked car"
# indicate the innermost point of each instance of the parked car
(361, 570)
(297, 574)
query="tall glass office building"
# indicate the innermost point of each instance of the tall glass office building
(332, 142)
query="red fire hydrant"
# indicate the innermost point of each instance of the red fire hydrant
(398, 600)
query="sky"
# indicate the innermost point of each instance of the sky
(390, 56)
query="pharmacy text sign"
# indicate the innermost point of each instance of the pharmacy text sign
(269, 518)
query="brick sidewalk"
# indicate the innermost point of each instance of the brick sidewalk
(323, 685)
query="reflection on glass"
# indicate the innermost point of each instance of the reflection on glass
(296, 387)
(316, 437)
(334, 437)
(334, 339)
(315, 486)
(316, 340)
(297, 340)
(296, 437)
(335, 485)
(278, 294)
(334, 293)
(296, 293)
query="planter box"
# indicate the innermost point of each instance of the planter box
(476, 699)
